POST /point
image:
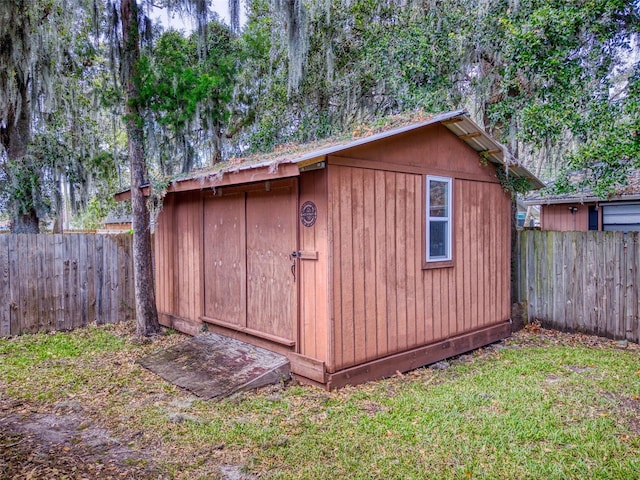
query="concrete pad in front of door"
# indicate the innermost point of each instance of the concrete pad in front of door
(213, 366)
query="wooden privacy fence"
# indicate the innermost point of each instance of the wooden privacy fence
(64, 281)
(580, 281)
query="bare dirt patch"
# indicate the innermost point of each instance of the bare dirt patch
(64, 443)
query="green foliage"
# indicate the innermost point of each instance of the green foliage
(21, 190)
(172, 89)
(533, 72)
(512, 184)
(66, 139)
(92, 216)
(611, 147)
(260, 103)
(551, 65)
(553, 80)
(559, 63)
(187, 93)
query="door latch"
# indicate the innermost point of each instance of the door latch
(295, 254)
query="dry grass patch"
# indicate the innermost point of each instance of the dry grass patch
(539, 405)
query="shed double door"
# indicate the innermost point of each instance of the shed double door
(249, 282)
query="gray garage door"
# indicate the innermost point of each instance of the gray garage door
(621, 217)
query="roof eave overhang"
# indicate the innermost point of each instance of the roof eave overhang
(582, 200)
(225, 178)
(475, 137)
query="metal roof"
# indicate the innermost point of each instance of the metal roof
(629, 191)
(577, 198)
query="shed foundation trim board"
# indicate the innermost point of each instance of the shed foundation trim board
(308, 367)
(180, 324)
(419, 357)
(250, 331)
(311, 370)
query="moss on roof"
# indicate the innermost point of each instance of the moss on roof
(289, 152)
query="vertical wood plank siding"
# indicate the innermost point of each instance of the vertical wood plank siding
(178, 260)
(225, 259)
(384, 301)
(561, 218)
(272, 305)
(581, 281)
(165, 256)
(314, 293)
(60, 282)
(187, 252)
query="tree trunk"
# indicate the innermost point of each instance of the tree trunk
(517, 318)
(15, 138)
(58, 221)
(26, 223)
(146, 312)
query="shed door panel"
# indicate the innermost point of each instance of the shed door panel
(224, 259)
(271, 237)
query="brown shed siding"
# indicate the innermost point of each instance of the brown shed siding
(188, 248)
(435, 148)
(561, 218)
(383, 301)
(225, 258)
(178, 260)
(272, 304)
(163, 248)
(314, 294)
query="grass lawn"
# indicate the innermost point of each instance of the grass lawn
(539, 405)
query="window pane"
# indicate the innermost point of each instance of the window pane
(438, 241)
(438, 198)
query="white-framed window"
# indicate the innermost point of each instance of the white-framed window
(438, 219)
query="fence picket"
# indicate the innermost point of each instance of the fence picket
(577, 279)
(590, 304)
(5, 288)
(14, 286)
(633, 314)
(99, 280)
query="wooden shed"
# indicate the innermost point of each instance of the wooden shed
(356, 260)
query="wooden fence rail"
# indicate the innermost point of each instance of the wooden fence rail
(60, 282)
(581, 281)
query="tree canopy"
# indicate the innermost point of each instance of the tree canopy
(556, 81)
(545, 77)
